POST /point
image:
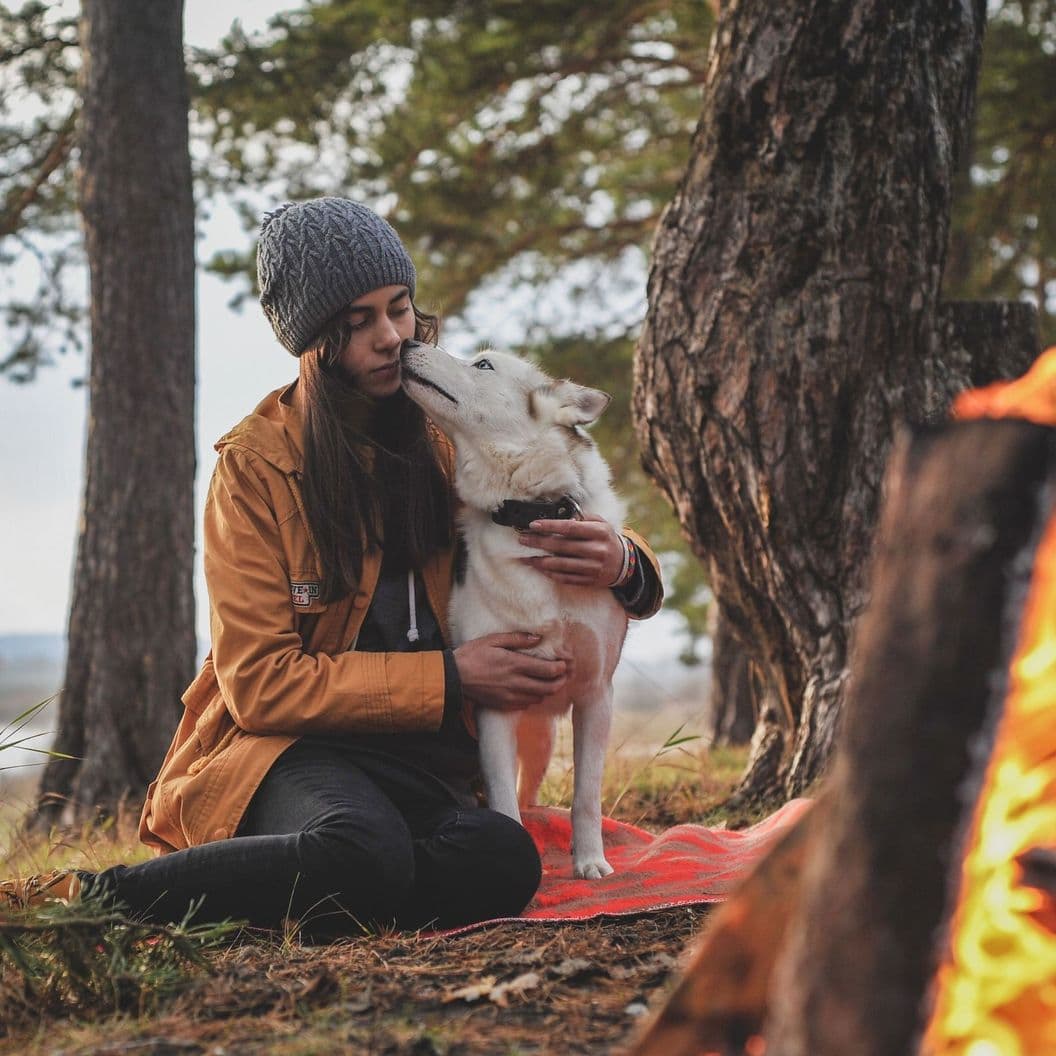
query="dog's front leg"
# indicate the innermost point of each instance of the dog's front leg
(591, 721)
(497, 731)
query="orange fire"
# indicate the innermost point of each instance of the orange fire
(996, 992)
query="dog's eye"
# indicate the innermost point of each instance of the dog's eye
(483, 364)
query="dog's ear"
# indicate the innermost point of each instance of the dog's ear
(578, 405)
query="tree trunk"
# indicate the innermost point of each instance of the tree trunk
(729, 710)
(967, 506)
(981, 342)
(794, 319)
(131, 648)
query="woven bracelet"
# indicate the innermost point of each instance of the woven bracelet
(630, 562)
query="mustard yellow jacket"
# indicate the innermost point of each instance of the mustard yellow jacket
(282, 662)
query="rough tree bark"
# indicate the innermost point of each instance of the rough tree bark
(131, 645)
(794, 318)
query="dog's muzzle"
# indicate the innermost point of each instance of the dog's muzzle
(408, 372)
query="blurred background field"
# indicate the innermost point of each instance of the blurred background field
(655, 692)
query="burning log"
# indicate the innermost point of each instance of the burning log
(966, 505)
(964, 512)
(996, 990)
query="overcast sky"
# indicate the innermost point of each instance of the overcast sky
(42, 425)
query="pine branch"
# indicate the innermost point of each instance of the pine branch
(19, 199)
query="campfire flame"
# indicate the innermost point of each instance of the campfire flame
(996, 992)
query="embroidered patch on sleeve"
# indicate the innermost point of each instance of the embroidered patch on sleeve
(303, 594)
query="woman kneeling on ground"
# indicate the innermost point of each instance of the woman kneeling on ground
(324, 765)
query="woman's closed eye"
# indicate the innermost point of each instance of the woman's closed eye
(366, 319)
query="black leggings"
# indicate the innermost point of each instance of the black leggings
(340, 839)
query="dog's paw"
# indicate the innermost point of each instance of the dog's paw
(591, 868)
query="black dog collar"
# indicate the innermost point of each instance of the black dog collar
(515, 513)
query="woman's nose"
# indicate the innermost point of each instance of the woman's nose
(386, 335)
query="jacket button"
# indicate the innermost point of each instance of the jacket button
(220, 834)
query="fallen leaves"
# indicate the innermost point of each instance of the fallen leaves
(566, 971)
(497, 993)
(573, 967)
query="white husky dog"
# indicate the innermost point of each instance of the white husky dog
(517, 436)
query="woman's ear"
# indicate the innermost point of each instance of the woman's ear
(578, 405)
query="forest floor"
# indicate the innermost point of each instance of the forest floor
(504, 989)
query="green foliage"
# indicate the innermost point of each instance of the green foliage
(1004, 225)
(675, 741)
(551, 131)
(39, 59)
(487, 131)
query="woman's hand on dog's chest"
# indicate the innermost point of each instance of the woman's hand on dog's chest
(496, 673)
(584, 553)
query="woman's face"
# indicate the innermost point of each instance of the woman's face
(381, 321)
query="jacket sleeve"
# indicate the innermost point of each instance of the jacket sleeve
(269, 683)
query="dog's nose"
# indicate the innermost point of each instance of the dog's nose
(413, 345)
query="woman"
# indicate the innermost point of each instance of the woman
(323, 766)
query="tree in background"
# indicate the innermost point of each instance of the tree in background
(131, 645)
(323, 79)
(794, 320)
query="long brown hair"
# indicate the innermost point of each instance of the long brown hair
(372, 474)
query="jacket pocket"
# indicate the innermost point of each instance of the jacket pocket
(209, 727)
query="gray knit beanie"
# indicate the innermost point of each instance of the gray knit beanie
(315, 257)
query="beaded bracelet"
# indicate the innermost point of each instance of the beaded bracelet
(630, 563)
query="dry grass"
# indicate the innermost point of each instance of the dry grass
(92, 847)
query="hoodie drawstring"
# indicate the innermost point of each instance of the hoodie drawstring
(412, 631)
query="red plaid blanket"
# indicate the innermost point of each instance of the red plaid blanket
(686, 865)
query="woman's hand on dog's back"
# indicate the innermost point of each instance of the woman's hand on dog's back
(496, 673)
(582, 553)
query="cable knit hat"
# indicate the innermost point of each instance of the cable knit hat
(315, 257)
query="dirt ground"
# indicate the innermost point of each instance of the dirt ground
(508, 989)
